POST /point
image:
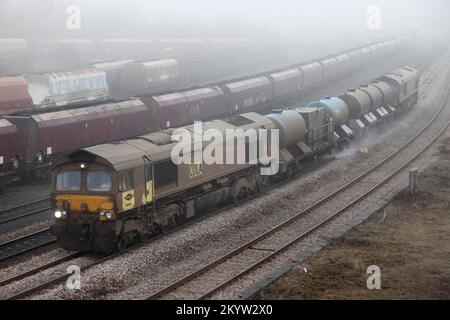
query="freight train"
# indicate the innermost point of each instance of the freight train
(111, 195)
(40, 137)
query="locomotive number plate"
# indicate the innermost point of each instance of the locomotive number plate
(195, 170)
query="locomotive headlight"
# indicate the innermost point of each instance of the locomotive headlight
(105, 215)
(58, 214)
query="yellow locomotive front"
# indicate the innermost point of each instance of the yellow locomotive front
(85, 211)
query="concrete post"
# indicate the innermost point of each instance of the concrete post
(413, 173)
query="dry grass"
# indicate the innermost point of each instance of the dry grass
(409, 240)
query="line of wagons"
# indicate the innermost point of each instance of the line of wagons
(33, 93)
(111, 195)
(115, 79)
(29, 143)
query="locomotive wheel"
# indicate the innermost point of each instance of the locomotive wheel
(121, 244)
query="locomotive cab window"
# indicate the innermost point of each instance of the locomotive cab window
(68, 181)
(126, 180)
(99, 181)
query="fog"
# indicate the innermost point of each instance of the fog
(221, 18)
(312, 27)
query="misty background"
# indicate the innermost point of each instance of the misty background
(289, 19)
(307, 29)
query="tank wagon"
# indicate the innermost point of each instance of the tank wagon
(111, 195)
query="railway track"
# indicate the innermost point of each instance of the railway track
(27, 243)
(14, 218)
(45, 266)
(63, 277)
(224, 271)
(24, 210)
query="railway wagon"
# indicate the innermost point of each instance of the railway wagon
(374, 51)
(330, 68)
(44, 136)
(287, 83)
(14, 96)
(9, 145)
(312, 75)
(358, 102)
(176, 109)
(112, 70)
(345, 63)
(248, 95)
(356, 59)
(387, 92)
(365, 55)
(148, 77)
(67, 88)
(375, 95)
(336, 107)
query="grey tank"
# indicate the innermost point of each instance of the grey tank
(358, 102)
(291, 126)
(375, 96)
(387, 91)
(336, 107)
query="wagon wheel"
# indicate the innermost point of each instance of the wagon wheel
(262, 183)
(121, 244)
(176, 220)
(290, 172)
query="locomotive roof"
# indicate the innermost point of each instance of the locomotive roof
(402, 74)
(130, 153)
